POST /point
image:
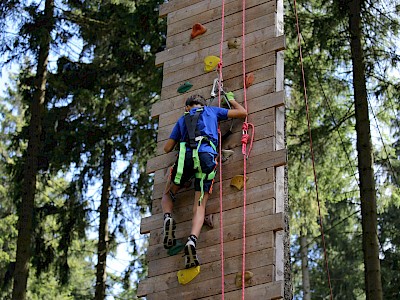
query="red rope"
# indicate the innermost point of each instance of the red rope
(311, 149)
(221, 223)
(245, 138)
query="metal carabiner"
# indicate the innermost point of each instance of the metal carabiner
(216, 86)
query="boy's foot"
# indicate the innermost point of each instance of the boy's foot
(191, 259)
(169, 232)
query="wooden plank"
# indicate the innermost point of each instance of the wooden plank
(155, 285)
(263, 39)
(257, 104)
(167, 160)
(264, 127)
(261, 177)
(194, 9)
(228, 172)
(209, 278)
(171, 109)
(231, 142)
(256, 179)
(258, 202)
(267, 291)
(262, 14)
(156, 250)
(252, 64)
(208, 270)
(173, 5)
(204, 15)
(208, 254)
(181, 53)
(265, 74)
(211, 237)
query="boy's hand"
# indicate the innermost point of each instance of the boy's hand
(230, 96)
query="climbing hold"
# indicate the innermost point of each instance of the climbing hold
(178, 247)
(184, 87)
(187, 275)
(249, 79)
(197, 29)
(209, 220)
(247, 276)
(238, 182)
(210, 62)
(234, 43)
(226, 153)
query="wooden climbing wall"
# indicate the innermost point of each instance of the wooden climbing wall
(182, 61)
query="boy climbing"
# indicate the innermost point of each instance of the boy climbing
(197, 134)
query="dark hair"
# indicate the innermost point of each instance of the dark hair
(195, 99)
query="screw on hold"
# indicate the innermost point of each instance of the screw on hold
(249, 79)
(247, 277)
(197, 29)
(226, 153)
(238, 182)
(234, 43)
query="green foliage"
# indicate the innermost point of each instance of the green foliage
(327, 65)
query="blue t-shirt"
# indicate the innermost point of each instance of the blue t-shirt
(207, 124)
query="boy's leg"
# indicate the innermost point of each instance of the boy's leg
(199, 212)
(169, 223)
(191, 259)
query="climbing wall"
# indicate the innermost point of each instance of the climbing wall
(183, 62)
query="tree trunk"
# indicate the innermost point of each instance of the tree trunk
(304, 268)
(364, 148)
(103, 243)
(25, 211)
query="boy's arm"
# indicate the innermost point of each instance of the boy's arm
(237, 110)
(169, 145)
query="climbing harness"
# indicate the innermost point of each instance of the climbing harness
(195, 139)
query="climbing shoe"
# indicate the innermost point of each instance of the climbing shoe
(169, 232)
(191, 259)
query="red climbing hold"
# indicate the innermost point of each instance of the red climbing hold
(249, 79)
(197, 29)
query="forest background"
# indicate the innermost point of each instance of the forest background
(76, 133)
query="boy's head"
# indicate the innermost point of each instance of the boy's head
(195, 99)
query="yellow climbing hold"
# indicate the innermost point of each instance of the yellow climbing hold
(187, 275)
(238, 182)
(210, 62)
(247, 277)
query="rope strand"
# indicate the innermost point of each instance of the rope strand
(244, 143)
(221, 223)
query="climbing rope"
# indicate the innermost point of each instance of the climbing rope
(311, 148)
(221, 223)
(245, 140)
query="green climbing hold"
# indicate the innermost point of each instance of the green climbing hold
(178, 247)
(185, 87)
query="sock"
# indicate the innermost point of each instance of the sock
(167, 215)
(193, 238)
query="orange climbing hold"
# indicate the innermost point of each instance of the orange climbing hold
(249, 79)
(197, 29)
